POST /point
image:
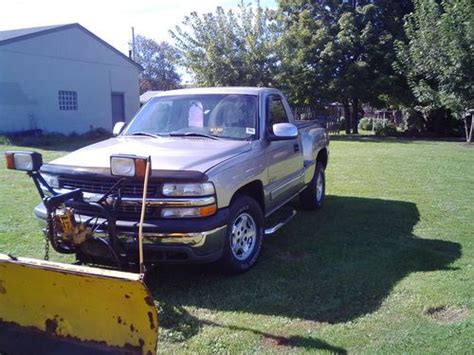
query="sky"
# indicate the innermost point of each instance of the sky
(111, 20)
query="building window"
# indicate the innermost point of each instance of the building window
(67, 100)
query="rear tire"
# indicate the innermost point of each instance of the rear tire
(313, 196)
(244, 235)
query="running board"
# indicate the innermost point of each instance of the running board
(271, 230)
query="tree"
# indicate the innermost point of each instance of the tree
(228, 48)
(438, 57)
(157, 61)
(342, 51)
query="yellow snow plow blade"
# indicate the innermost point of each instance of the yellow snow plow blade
(55, 308)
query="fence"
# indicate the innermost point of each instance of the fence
(329, 118)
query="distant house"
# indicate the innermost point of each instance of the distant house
(64, 79)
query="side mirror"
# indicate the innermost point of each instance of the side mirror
(284, 131)
(118, 128)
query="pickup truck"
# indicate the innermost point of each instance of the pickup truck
(223, 160)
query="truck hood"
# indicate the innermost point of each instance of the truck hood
(167, 153)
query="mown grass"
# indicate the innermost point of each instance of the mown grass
(386, 266)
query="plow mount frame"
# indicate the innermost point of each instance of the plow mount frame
(75, 199)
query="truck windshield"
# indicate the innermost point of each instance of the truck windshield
(213, 115)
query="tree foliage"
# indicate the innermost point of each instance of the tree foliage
(341, 51)
(438, 56)
(378, 52)
(228, 48)
(157, 61)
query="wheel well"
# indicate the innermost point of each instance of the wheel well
(253, 189)
(323, 157)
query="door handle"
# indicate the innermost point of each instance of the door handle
(296, 147)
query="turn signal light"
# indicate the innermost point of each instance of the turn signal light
(189, 212)
(207, 211)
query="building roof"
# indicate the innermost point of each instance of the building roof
(6, 35)
(21, 34)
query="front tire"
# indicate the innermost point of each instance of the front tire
(244, 235)
(313, 196)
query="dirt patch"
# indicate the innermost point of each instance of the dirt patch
(447, 315)
(276, 342)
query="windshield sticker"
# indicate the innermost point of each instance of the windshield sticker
(216, 130)
(250, 130)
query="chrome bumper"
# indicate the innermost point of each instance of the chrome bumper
(195, 240)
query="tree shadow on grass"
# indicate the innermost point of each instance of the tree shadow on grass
(332, 266)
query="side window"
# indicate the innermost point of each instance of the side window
(276, 111)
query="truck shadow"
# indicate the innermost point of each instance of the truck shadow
(331, 266)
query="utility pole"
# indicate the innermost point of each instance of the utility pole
(133, 43)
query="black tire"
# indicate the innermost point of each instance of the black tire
(240, 209)
(309, 197)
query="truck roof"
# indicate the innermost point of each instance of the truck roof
(242, 90)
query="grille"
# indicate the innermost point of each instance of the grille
(129, 188)
(133, 212)
(134, 189)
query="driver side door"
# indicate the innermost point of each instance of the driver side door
(284, 157)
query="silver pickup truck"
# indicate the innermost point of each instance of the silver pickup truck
(223, 160)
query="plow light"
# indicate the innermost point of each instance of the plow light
(25, 161)
(128, 166)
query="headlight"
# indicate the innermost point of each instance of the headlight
(122, 166)
(189, 212)
(128, 165)
(51, 180)
(206, 188)
(26, 161)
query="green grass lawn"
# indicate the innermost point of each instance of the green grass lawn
(387, 265)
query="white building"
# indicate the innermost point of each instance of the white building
(64, 79)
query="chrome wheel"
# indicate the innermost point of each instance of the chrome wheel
(244, 236)
(319, 188)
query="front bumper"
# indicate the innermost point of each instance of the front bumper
(191, 240)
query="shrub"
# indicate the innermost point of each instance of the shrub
(365, 124)
(414, 122)
(390, 129)
(45, 139)
(4, 140)
(37, 138)
(97, 133)
(342, 124)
